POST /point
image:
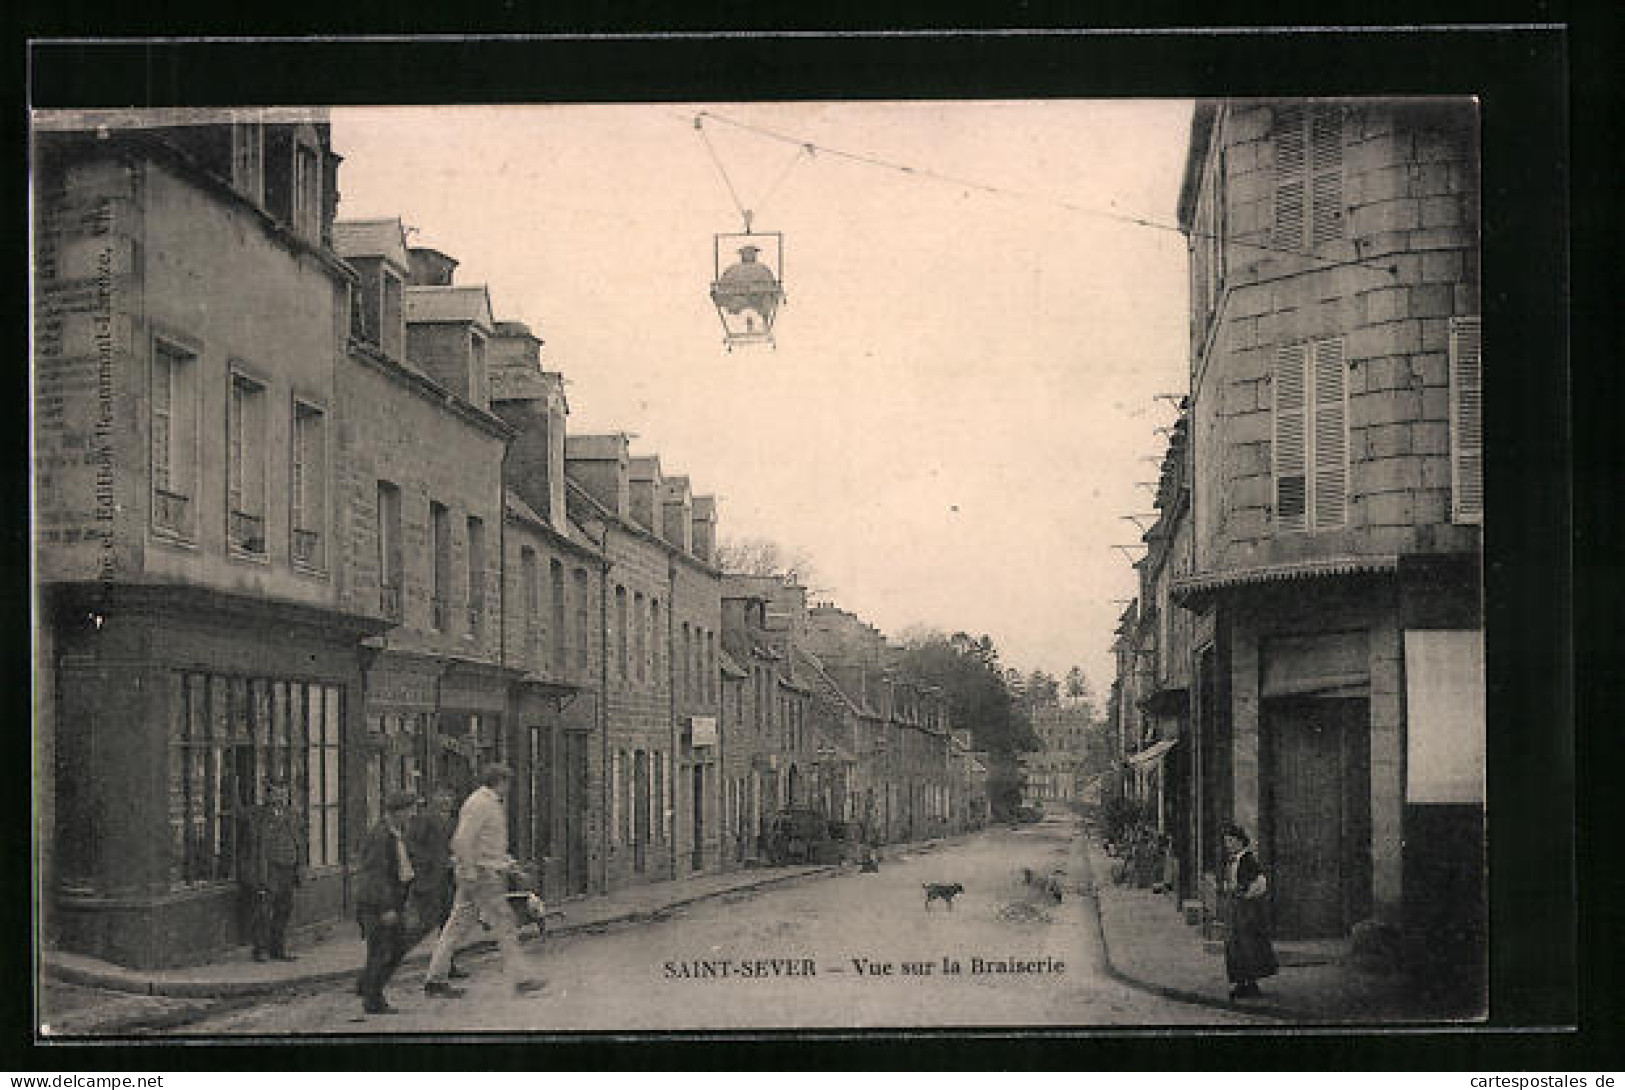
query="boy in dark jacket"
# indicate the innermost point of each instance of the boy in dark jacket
(384, 875)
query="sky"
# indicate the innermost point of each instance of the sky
(963, 397)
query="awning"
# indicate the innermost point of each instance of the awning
(1195, 587)
(1152, 753)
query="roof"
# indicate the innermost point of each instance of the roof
(456, 303)
(571, 535)
(816, 668)
(729, 665)
(1196, 586)
(372, 238)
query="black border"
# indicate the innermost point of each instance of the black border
(1522, 79)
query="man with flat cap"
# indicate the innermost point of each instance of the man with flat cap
(384, 874)
(270, 870)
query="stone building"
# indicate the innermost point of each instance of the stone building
(552, 582)
(423, 531)
(195, 639)
(1336, 672)
(661, 618)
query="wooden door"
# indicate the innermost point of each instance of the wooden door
(1317, 834)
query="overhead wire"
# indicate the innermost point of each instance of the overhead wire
(1038, 198)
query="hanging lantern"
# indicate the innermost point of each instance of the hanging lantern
(750, 290)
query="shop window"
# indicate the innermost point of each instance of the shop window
(229, 737)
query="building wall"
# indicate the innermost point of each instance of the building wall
(399, 434)
(696, 600)
(1410, 221)
(176, 256)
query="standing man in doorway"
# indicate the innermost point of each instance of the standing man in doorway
(479, 851)
(271, 865)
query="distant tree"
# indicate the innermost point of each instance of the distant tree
(1078, 691)
(1043, 691)
(762, 556)
(979, 699)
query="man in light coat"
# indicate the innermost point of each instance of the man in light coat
(479, 850)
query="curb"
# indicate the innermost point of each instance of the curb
(128, 980)
(1166, 992)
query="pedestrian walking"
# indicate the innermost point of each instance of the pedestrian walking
(384, 874)
(273, 852)
(428, 842)
(479, 851)
(1248, 954)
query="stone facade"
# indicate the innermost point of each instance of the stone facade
(1335, 500)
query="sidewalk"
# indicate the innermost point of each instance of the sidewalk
(1149, 945)
(342, 953)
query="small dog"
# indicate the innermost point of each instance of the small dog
(942, 891)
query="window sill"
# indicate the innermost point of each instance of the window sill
(242, 555)
(184, 542)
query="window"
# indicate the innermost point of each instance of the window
(688, 664)
(640, 619)
(174, 439)
(440, 573)
(229, 736)
(1311, 436)
(248, 160)
(583, 630)
(308, 503)
(1308, 143)
(656, 640)
(531, 575)
(620, 632)
(1466, 426)
(389, 550)
(307, 190)
(555, 571)
(245, 473)
(476, 578)
(710, 667)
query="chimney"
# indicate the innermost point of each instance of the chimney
(705, 528)
(431, 268)
(531, 401)
(678, 513)
(600, 465)
(645, 486)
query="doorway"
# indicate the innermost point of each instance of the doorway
(697, 861)
(575, 812)
(1316, 809)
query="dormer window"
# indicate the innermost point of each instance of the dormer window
(307, 190)
(248, 160)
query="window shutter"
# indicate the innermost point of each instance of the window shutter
(1290, 446)
(1326, 175)
(1290, 156)
(1466, 426)
(163, 372)
(1331, 435)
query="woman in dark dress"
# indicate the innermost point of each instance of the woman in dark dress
(1248, 955)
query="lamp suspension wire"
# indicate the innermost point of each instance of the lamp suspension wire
(748, 214)
(1377, 264)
